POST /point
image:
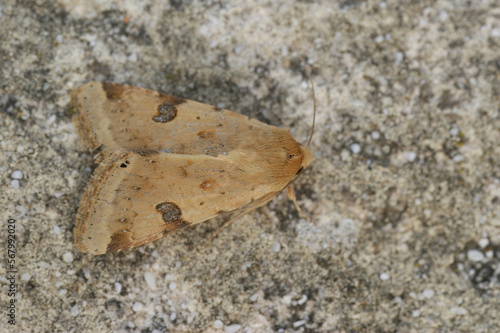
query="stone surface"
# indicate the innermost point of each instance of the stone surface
(405, 184)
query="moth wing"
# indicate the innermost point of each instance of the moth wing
(120, 116)
(135, 198)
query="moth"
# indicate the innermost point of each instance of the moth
(166, 163)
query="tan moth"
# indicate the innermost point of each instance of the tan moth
(167, 162)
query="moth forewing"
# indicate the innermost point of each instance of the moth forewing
(167, 163)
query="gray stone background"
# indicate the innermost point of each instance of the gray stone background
(404, 190)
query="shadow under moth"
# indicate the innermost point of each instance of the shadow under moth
(167, 162)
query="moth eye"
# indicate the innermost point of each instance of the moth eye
(290, 156)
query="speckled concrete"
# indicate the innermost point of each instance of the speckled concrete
(404, 191)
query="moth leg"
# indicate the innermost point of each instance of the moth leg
(291, 196)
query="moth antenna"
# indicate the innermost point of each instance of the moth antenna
(308, 73)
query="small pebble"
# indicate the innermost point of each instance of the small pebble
(483, 242)
(218, 324)
(355, 148)
(18, 174)
(150, 280)
(74, 310)
(428, 293)
(232, 328)
(137, 306)
(68, 257)
(475, 255)
(15, 184)
(276, 247)
(118, 287)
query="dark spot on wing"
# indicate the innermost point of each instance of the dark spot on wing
(119, 240)
(165, 112)
(208, 184)
(172, 216)
(113, 91)
(206, 134)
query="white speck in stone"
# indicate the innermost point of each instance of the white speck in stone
(173, 316)
(18, 174)
(232, 328)
(299, 323)
(132, 57)
(118, 287)
(150, 280)
(57, 230)
(454, 131)
(238, 49)
(302, 300)
(489, 254)
(375, 135)
(58, 195)
(74, 310)
(51, 119)
(169, 277)
(458, 310)
(25, 277)
(415, 313)
(379, 39)
(221, 105)
(21, 209)
(254, 297)
(68, 257)
(443, 15)
(172, 286)
(43, 264)
(383, 5)
(276, 247)
(218, 324)
(410, 156)
(284, 50)
(15, 184)
(398, 58)
(428, 293)
(137, 306)
(483, 242)
(63, 292)
(387, 37)
(495, 32)
(355, 148)
(384, 276)
(475, 255)
(458, 158)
